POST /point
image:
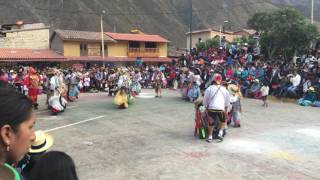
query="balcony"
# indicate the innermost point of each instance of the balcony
(93, 51)
(143, 52)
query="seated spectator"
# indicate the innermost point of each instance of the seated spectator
(54, 165)
(310, 98)
(295, 80)
(17, 119)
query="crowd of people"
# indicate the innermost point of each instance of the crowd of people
(215, 80)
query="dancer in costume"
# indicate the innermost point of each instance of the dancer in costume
(32, 82)
(158, 78)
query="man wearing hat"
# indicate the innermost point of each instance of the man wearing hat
(310, 98)
(42, 144)
(217, 100)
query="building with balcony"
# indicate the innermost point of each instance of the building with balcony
(72, 43)
(138, 45)
(83, 46)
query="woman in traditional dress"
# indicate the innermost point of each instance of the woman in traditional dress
(32, 82)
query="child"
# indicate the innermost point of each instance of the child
(264, 94)
(236, 110)
(86, 83)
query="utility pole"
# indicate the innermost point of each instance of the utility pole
(312, 10)
(102, 36)
(190, 28)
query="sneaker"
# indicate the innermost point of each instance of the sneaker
(219, 139)
(156, 96)
(224, 133)
(209, 140)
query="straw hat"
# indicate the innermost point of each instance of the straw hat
(42, 142)
(233, 89)
(184, 69)
(311, 89)
(256, 81)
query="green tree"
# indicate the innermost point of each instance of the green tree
(283, 32)
(210, 43)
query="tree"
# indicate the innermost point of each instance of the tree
(283, 32)
(210, 43)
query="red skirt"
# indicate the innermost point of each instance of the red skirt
(33, 94)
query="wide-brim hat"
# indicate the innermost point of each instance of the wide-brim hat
(42, 142)
(256, 81)
(184, 69)
(311, 89)
(233, 89)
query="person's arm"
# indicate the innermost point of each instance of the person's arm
(206, 97)
(227, 101)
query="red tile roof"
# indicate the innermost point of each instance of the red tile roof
(118, 59)
(29, 55)
(136, 37)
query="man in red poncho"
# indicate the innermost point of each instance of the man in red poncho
(32, 82)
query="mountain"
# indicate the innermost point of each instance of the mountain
(169, 18)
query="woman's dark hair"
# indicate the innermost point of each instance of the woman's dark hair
(15, 107)
(54, 165)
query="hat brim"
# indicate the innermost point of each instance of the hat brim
(233, 89)
(48, 145)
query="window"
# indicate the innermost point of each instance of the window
(105, 49)
(151, 45)
(134, 44)
(83, 47)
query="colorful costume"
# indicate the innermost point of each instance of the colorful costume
(57, 103)
(121, 98)
(158, 80)
(32, 82)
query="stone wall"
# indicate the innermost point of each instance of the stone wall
(27, 39)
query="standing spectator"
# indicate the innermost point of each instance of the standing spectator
(86, 83)
(98, 77)
(17, 119)
(235, 100)
(217, 100)
(264, 94)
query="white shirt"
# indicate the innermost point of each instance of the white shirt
(216, 101)
(296, 80)
(264, 90)
(306, 86)
(197, 79)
